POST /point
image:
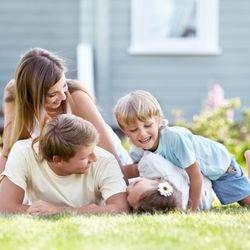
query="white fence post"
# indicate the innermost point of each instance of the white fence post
(85, 66)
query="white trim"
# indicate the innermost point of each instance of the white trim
(85, 66)
(204, 43)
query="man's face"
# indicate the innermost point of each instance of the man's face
(144, 134)
(80, 162)
(137, 187)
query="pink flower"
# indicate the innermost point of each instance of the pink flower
(215, 97)
(230, 115)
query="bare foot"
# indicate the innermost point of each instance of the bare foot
(247, 156)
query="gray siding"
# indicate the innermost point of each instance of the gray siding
(87, 21)
(177, 81)
(25, 24)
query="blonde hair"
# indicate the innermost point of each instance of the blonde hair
(62, 134)
(137, 105)
(152, 201)
(37, 71)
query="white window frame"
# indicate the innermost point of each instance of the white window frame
(205, 43)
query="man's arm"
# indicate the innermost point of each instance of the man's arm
(195, 177)
(11, 197)
(115, 204)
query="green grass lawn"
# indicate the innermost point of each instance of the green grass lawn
(221, 228)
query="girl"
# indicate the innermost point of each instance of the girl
(39, 91)
(146, 193)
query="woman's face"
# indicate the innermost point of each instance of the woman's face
(56, 94)
(137, 187)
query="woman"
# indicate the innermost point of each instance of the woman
(39, 91)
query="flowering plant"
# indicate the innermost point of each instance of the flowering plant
(216, 121)
(165, 189)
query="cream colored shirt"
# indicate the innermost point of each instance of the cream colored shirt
(103, 180)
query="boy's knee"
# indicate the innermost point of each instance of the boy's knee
(247, 154)
(245, 201)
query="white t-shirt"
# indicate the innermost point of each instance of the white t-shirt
(153, 165)
(39, 182)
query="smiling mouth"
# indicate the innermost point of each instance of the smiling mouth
(57, 103)
(145, 140)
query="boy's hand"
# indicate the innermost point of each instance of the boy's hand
(130, 171)
(195, 177)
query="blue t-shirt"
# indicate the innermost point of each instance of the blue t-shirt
(182, 148)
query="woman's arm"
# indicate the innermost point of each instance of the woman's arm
(9, 113)
(86, 108)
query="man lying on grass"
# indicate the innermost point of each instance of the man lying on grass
(62, 171)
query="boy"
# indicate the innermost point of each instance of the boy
(63, 172)
(140, 117)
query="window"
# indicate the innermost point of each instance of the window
(174, 27)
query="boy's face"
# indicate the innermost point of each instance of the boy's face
(137, 187)
(79, 163)
(144, 134)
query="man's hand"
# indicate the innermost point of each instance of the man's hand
(115, 204)
(43, 208)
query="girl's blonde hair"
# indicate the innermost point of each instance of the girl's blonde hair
(152, 201)
(37, 71)
(137, 105)
(62, 134)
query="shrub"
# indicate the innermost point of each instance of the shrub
(216, 121)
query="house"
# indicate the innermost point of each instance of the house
(177, 80)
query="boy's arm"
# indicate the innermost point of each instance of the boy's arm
(130, 171)
(195, 177)
(11, 197)
(115, 204)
